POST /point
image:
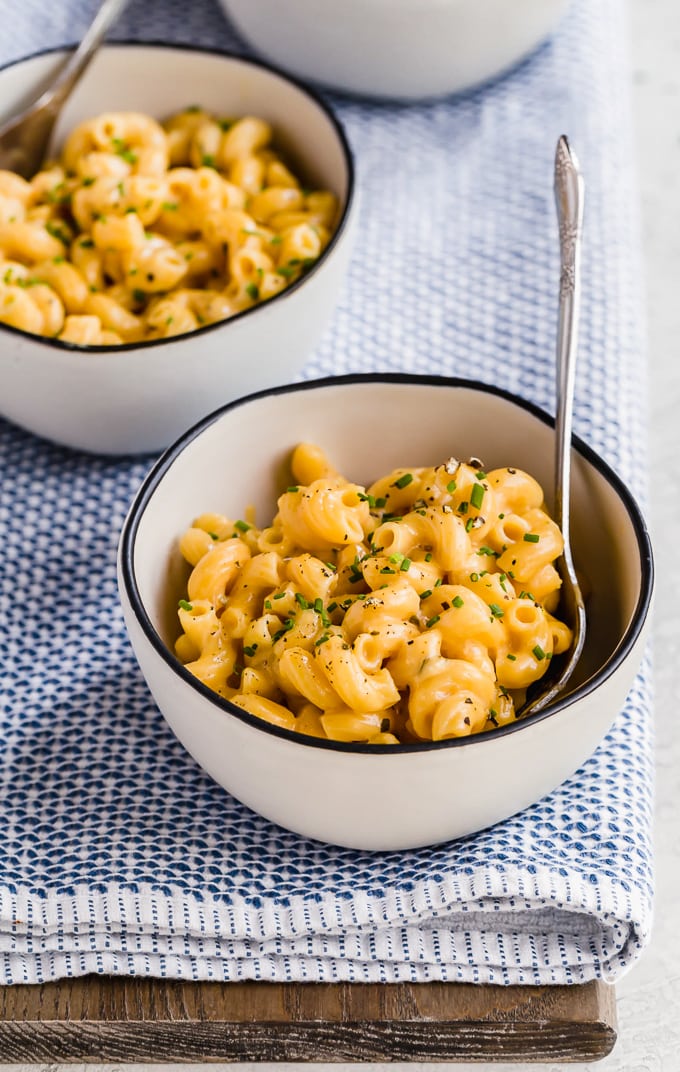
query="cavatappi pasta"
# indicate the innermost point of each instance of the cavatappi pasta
(144, 230)
(419, 608)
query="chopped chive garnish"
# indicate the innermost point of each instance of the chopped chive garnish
(463, 507)
(381, 503)
(438, 582)
(403, 481)
(397, 558)
(367, 498)
(451, 486)
(250, 650)
(318, 605)
(474, 577)
(495, 610)
(405, 565)
(122, 150)
(253, 291)
(531, 537)
(512, 658)
(242, 526)
(428, 556)
(322, 640)
(139, 295)
(477, 495)
(288, 625)
(469, 523)
(213, 536)
(279, 595)
(426, 593)
(432, 621)
(267, 604)
(332, 606)
(293, 488)
(480, 475)
(387, 569)
(299, 598)
(208, 161)
(538, 652)
(457, 601)
(57, 232)
(184, 605)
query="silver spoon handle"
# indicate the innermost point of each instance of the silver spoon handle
(569, 201)
(81, 56)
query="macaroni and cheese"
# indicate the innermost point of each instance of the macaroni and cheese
(417, 609)
(144, 230)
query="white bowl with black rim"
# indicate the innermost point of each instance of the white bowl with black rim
(406, 50)
(383, 796)
(138, 397)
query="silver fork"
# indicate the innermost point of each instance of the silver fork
(569, 205)
(24, 138)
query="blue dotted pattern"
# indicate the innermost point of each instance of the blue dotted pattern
(118, 853)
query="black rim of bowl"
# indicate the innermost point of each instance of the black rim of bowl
(164, 463)
(263, 65)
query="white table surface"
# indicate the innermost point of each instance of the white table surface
(649, 996)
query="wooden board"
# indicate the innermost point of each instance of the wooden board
(148, 1020)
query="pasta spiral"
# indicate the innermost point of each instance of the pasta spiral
(144, 231)
(417, 609)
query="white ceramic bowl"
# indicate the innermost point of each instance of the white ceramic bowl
(404, 49)
(367, 796)
(139, 397)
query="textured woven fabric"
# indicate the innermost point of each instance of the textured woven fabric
(118, 853)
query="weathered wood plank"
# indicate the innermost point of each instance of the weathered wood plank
(145, 1020)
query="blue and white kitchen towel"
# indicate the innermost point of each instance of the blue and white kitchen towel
(118, 854)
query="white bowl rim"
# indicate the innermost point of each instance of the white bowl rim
(166, 460)
(271, 68)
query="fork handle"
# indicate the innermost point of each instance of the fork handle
(569, 204)
(78, 60)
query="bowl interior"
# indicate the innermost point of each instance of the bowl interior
(159, 80)
(368, 426)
